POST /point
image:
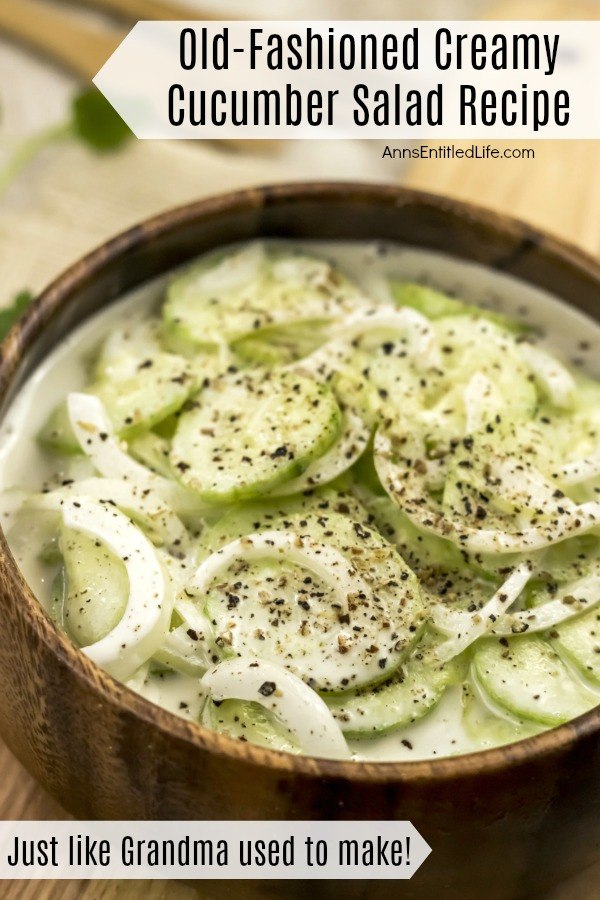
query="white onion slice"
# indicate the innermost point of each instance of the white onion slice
(579, 471)
(406, 487)
(538, 618)
(479, 395)
(144, 624)
(583, 594)
(322, 559)
(94, 433)
(552, 377)
(145, 505)
(297, 706)
(422, 341)
(468, 627)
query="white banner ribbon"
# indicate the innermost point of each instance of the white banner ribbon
(391, 80)
(203, 850)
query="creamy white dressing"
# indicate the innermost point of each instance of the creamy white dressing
(24, 466)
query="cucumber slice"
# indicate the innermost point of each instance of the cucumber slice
(354, 437)
(492, 478)
(472, 345)
(482, 376)
(152, 450)
(525, 676)
(436, 305)
(488, 729)
(276, 346)
(373, 386)
(420, 550)
(183, 651)
(579, 641)
(272, 605)
(253, 431)
(97, 587)
(56, 434)
(58, 596)
(247, 721)
(269, 513)
(144, 623)
(413, 690)
(160, 386)
(260, 352)
(222, 299)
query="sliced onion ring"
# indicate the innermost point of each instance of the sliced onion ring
(94, 433)
(297, 706)
(579, 471)
(407, 488)
(552, 377)
(144, 624)
(145, 505)
(468, 627)
(322, 559)
(422, 340)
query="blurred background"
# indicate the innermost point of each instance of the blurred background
(65, 188)
(59, 197)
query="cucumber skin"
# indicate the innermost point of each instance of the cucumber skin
(57, 435)
(436, 305)
(418, 679)
(585, 649)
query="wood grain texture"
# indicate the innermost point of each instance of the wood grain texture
(132, 10)
(21, 797)
(559, 190)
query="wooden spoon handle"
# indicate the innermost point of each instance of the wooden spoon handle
(134, 10)
(81, 48)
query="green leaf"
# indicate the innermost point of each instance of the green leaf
(10, 315)
(96, 123)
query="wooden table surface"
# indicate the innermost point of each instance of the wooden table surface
(558, 191)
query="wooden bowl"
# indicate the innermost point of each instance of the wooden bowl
(504, 823)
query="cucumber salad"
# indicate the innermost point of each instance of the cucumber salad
(304, 498)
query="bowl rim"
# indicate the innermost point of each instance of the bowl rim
(24, 334)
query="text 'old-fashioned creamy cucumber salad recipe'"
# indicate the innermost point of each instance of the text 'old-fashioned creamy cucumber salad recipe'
(299, 496)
